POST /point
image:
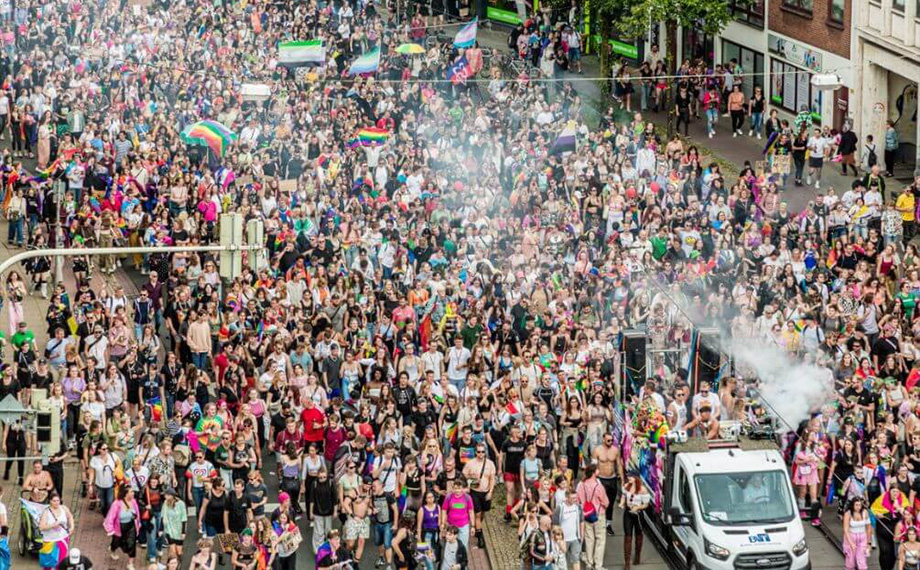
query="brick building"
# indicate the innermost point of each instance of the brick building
(805, 37)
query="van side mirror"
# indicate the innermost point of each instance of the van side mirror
(677, 518)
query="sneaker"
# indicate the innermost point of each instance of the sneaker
(751, 132)
(735, 135)
(815, 522)
(610, 531)
(817, 183)
(758, 136)
(380, 563)
(711, 134)
(113, 555)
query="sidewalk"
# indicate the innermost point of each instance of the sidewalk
(88, 534)
(723, 147)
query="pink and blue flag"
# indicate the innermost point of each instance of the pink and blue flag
(466, 36)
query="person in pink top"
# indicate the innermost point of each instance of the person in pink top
(591, 491)
(457, 510)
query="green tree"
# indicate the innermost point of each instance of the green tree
(634, 17)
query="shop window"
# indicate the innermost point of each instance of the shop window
(804, 6)
(898, 5)
(790, 88)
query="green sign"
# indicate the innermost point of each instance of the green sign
(499, 15)
(624, 49)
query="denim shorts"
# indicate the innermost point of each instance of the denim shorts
(383, 535)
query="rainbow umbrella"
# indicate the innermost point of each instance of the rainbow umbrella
(210, 134)
(410, 49)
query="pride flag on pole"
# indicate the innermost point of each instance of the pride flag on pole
(297, 54)
(367, 63)
(466, 36)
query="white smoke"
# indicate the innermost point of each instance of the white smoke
(792, 388)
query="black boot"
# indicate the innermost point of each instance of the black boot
(480, 539)
(627, 552)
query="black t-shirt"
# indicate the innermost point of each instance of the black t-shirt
(513, 452)
(84, 564)
(884, 347)
(214, 515)
(863, 397)
(683, 102)
(237, 507)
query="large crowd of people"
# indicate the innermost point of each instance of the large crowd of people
(434, 336)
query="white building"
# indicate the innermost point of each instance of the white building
(886, 54)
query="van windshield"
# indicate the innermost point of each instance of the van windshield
(760, 497)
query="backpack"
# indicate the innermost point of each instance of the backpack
(590, 509)
(872, 159)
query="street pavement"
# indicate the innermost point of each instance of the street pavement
(90, 537)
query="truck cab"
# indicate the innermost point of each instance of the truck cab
(729, 505)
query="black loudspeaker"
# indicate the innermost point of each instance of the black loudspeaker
(708, 361)
(633, 344)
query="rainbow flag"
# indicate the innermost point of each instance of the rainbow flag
(262, 558)
(451, 433)
(466, 36)
(659, 436)
(156, 409)
(208, 133)
(324, 550)
(367, 63)
(369, 136)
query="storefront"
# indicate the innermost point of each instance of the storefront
(791, 67)
(696, 45)
(751, 62)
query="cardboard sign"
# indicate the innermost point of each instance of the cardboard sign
(782, 164)
(288, 186)
(141, 3)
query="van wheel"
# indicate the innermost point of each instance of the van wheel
(692, 565)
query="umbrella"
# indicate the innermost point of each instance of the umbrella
(410, 49)
(210, 134)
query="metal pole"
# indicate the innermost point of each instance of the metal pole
(75, 252)
(58, 262)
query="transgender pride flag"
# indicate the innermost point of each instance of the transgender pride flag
(466, 36)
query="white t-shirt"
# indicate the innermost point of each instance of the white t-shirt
(104, 470)
(457, 357)
(432, 361)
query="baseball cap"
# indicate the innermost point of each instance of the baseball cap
(74, 555)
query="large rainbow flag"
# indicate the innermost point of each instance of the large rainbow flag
(370, 136)
(209, 133)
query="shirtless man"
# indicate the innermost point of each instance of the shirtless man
(704, 425)
(609, 473)
(38, 483)
(357, 505)
(480, 472)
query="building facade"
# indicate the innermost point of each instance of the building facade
(804, 38)
(886, 52)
